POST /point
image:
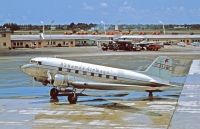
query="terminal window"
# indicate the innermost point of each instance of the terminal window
(107, 76)
(84, 72)
(76, 71)
(3, 35)
(4, 44)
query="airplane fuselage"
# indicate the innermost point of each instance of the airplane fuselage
(84, 71)
(80, 75)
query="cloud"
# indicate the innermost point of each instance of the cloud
(125, 3)
(87, 7)
(195, 12)
(104, 4)
(175, 11)
(126, 8)
(24, 18)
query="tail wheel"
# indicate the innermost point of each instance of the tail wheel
(54, 95)
(72, 98)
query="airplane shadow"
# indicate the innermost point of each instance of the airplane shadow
(111, 103)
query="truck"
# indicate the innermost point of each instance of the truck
(153, 47)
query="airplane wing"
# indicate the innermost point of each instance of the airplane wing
(112, 86)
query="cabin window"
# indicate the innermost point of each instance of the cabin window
(84, 72)
(100, 75)
(115, 77)
(59, 69)
(39, 63)
(68, 70)
(76, 71)
(92, 74)
(107, 76)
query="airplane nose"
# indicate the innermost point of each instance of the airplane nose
(29, 69)
(23, 68)
(26, 68)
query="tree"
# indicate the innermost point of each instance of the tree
(12, 26)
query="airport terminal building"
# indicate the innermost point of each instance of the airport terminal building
(188, 39)
(27, 41)
(5, 38)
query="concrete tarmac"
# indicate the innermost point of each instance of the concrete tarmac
(23, 106)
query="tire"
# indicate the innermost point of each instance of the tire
(54, 92)
(54, 95)
(72, 98)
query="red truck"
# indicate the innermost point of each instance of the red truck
(153, 47)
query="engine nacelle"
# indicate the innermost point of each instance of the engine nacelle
(44, 81)
(65, 80)
(61, 80)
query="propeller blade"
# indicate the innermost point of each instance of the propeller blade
(33, 82)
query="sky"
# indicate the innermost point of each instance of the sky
(100, 11)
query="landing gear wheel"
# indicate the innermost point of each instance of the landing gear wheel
(150, 95)
(72, 98)
(54, 95)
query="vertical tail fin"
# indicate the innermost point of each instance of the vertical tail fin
(161, 67)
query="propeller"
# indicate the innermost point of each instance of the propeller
(49, 77)
(33, 82)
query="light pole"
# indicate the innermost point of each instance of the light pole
(42, 26)
(51, 30)
(104, 26)
(163, 26)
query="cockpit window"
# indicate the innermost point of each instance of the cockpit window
(33, 62)
(36, 62)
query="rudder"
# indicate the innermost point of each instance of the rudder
(161, 67)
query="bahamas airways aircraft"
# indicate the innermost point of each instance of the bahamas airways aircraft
(71, 75)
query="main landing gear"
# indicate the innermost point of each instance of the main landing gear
(54, 95)
(72, 98)
(72, 95)
(150, 96)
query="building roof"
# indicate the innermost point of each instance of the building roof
(98, 37)
(57, 37)
(5, 30)
(160, 36)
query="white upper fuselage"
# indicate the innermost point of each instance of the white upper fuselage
(38, 68)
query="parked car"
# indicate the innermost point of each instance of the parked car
(195, 44)
(181, 44)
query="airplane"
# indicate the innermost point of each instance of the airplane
(72, 75)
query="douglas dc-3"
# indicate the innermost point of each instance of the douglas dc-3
(71, 75)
